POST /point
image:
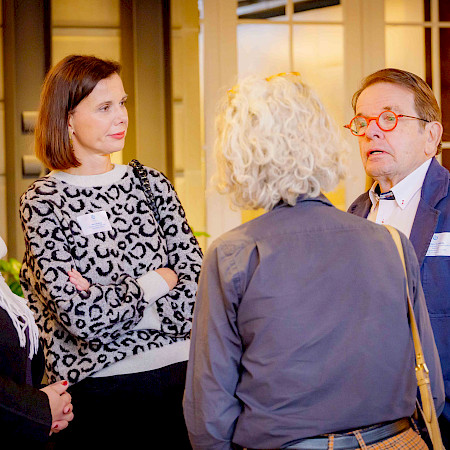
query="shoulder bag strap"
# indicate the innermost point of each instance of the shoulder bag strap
(142, 175)
(422, 374)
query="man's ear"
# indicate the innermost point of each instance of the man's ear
(434, 132)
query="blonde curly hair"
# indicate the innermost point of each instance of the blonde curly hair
(274, 142)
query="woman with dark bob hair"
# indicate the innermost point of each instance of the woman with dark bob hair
(110, 268)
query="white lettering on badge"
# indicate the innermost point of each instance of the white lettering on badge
(94, 223)
(439, 245)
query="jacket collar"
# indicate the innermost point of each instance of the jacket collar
(435, 185)
(302, 198)
(361, 206)
(434, 189)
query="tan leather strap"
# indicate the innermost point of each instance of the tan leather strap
(422, 374)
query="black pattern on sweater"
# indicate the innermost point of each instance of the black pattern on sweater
(83, 332)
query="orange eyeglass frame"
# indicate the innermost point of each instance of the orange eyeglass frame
(369, 119)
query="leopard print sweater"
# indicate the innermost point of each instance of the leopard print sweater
(85, 331)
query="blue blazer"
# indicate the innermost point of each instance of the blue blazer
(433, 216)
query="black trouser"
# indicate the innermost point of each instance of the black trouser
(128, 411)
(444, 425)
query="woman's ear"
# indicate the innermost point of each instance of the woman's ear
(70, 129)
(434, 133)
(70, 123)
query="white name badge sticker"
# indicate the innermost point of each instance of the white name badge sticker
(439, 245)
(94, 223)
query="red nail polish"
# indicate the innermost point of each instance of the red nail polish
(56, 426)
(65, 383)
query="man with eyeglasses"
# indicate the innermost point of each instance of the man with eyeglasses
(398, 126)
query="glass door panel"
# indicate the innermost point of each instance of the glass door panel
(406, 10)
(319, 57)
(445, 83)
(405, 48)
(263, 49)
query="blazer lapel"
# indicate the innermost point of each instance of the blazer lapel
(423, 229)
(435, 187)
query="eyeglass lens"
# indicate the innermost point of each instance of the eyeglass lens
(387, 121)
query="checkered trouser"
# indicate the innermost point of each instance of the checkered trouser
(407, 440)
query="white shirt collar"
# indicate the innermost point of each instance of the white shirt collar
(406, 188)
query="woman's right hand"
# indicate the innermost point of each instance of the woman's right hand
(60, 405)
(80, 283)
(170, 277)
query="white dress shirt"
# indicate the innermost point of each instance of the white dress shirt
(400, 212)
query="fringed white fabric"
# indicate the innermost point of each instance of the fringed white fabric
(17, 309)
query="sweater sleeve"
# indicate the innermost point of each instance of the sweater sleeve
(185, 258)
(153, 285)
(102, 313)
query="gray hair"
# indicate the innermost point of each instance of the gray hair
(275, 141)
